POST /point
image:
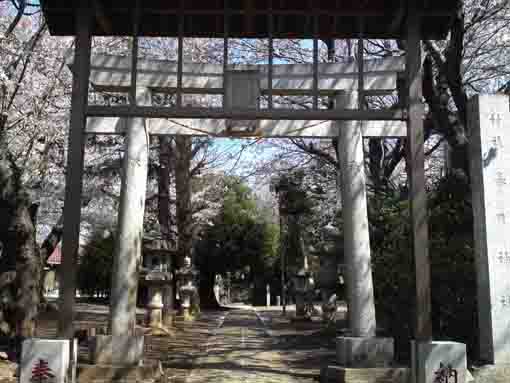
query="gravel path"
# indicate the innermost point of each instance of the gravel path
(240, 349)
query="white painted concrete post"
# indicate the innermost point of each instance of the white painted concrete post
(268, 296)
(128, 248)
(360, 290)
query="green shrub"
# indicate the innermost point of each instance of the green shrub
(95, 266)
(453, 277)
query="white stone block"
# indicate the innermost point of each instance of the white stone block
(45, 361)
(434, 360)
(364, 352)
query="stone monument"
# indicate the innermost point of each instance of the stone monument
(489, 127)
(47, 361)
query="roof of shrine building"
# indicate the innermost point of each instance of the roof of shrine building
(249, 18)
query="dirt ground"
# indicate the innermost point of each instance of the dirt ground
(232, 344)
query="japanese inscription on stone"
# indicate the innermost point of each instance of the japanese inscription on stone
(489, 126)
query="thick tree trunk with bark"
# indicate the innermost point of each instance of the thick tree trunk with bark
(164, 216)
(206, 289)
(182, 163)
(20, 262)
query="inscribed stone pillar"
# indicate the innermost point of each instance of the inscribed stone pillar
(128, 248)
(360, 290)
(489, 123)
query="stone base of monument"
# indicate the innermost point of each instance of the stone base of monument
(337, 374)
(438, 361)
(90, 373)
(45, 358)
(121, 350)
(361, 352)
(499, 373)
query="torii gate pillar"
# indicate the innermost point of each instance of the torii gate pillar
(128, 247)
(360, 291)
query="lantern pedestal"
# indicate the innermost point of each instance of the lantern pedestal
(301, 292)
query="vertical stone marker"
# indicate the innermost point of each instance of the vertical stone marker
(45, 361)
(489, 127)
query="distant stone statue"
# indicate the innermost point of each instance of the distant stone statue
(329, 309)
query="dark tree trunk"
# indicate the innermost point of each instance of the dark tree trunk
(206, 289)
(182, 163)
(20, 263)
(164, 216)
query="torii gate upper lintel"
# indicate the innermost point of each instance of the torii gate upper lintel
(412, 20)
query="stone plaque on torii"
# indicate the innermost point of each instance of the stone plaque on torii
(411, 20)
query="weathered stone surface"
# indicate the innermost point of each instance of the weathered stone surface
(45, 356)
(336, 374)
(364, 352)
(128, 246)
(433, 359)
(360, 290)
(489, 120)
(116, 350)
(492, 374)
(7, 369)
(106, 373)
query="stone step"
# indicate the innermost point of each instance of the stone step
(337, 374)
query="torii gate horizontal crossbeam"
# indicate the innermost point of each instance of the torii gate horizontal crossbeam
(262, 128)
(245, 114)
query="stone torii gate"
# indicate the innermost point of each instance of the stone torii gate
(244, 86)
(411, 20)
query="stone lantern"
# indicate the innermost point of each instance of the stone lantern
(300, 292)
(186, 276)
(328, 277)
(156, 275)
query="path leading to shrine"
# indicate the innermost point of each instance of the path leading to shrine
(242, 349)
